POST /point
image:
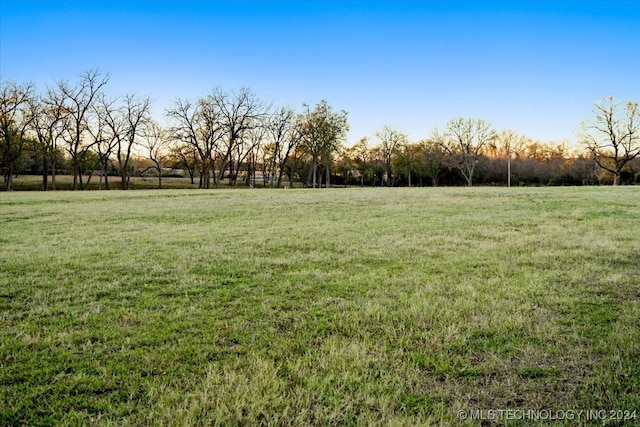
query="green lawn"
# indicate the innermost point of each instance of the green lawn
(317, 307)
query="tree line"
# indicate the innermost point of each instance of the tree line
(235, 138)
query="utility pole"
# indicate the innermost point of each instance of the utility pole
(509, 168)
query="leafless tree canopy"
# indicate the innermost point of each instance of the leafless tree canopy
(323, 132)
(74, 128)
(390, 141)
(464, 140)
(613, 136)
(14, 122)
(78, 102)
(284, 130)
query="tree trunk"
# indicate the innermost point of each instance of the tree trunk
(206, 177)
(388, 170)
(8, 180)
(328, 177)
(45, 173)
(75, 174)
(89, 179)
(279, 182)
(124, 183)
(315, 171)
(231, 167)
(53, 170)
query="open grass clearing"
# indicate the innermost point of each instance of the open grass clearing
(355, 306)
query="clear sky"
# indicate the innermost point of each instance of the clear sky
(536, 67)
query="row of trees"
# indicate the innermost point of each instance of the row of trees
(221, 135)
(77, 129)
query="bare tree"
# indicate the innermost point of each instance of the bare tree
(198, 126)
(434, 159)
(407, 159)
(377, 165)
(14, 123)
(292, 167)
(285, 133)
(106, 130)
(248, 151)
(237, 113)
(323, 132)
(79, 100)
(182, 156)
(390, 141)
(48, 117)
(135, 112)
(464, 141)
(360, 153)
(155, 141)
(613, 138)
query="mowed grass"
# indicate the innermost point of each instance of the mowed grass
(317, 307)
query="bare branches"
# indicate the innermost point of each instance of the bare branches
(78, 102)
(155, 140)
(390, 141)
(218, 126)
(238, 112)
(14, 122)
(198, 126)
(323, 132)
(613, 137)
(285, 133)
(464, 140)
(234, 134)
(134, 115)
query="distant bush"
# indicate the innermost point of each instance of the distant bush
(606, 180)
(564, 179)
(626, 177)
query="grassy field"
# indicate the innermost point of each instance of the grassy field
(326, 307)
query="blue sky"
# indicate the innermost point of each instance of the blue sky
(536, 67)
